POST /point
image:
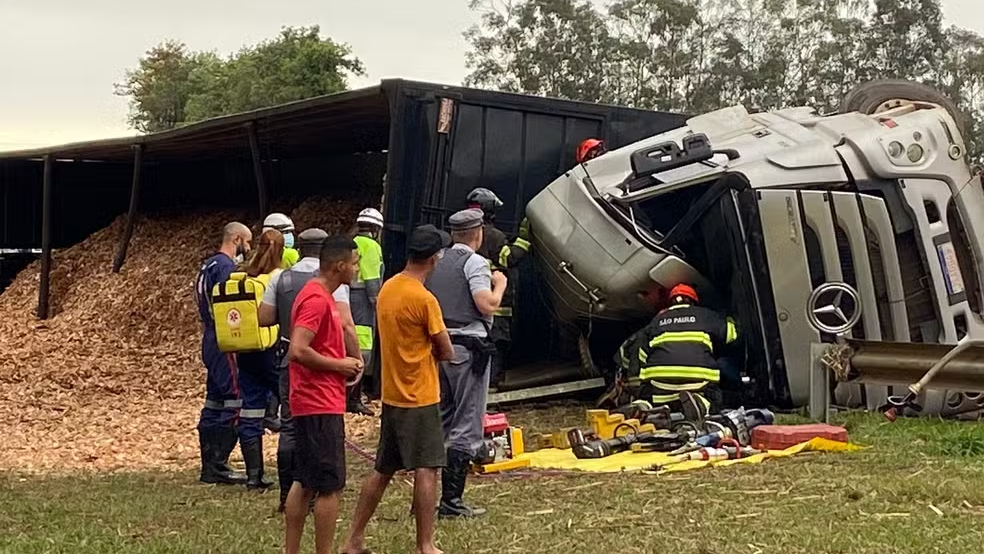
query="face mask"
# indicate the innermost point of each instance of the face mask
(288, 240)
(240, 253)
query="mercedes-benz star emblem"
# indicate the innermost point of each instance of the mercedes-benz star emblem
(834, 308)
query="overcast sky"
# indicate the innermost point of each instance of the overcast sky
(60, 58)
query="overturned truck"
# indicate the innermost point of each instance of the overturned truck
(866, 224)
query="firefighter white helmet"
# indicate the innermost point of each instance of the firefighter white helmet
(370, 216)
(279, 222)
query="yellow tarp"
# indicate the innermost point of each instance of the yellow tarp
(553, 458)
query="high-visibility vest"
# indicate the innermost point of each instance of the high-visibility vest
(235, 311)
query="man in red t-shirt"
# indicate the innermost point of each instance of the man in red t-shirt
(318, 370)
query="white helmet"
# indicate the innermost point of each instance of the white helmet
(370, 216)
(279, 222)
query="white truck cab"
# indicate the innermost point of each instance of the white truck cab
(770, 215)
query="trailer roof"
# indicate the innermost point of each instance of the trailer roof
(356, 120)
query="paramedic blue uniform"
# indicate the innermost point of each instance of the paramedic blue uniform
(222, 400)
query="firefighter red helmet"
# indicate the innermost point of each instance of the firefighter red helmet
(685, 291)
(590, 148)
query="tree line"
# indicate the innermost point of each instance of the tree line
(692, 56)
(687, 56)
(174, 86)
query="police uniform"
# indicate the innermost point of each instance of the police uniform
(460, 274)
(217, 425)
(679, 354)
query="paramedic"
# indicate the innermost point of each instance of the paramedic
(217, 432)
(258, 379)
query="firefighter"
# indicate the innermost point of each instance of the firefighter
(589, 149)
(282, 223)
(217, 425)
(679, 355)
(505, 256)
(363, 291)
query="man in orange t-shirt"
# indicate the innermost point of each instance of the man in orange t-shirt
(412, 339)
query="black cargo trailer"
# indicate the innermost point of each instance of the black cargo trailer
(420, 147)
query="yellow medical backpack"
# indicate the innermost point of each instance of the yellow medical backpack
(235, 310)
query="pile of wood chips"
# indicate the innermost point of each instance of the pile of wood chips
(113, 380)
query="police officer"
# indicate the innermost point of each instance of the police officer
(285, 225)
(217, 433)
(679, 356)
(364, 290)
(505, 256)
(469, 293)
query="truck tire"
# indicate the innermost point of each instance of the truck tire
(877, 96)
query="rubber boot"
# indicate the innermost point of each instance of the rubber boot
(253, 456)
(453, 487)
(271, 421)
(353, 403)
(214, 467)
(285, 470)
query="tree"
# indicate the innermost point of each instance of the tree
(159, 88)
(547, 47)
(699, 55)
(173, 87)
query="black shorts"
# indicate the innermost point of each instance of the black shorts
(319, 452)
(410, 438)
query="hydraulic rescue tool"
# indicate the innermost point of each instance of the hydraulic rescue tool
(501, 446)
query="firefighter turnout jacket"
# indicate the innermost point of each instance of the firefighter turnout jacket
(504, 255)
(677, 351)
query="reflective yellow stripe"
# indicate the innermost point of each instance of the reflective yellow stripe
(677, 387)
(683, 336)
(678, 306)
(365, 337)
(504, 312)
(680, 372)
(643, 356)
(504, 256)
(665, 398)
(522, 244)
(732, 332)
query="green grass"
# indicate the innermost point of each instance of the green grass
(880, 500)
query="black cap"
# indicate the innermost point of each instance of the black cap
(427, 240)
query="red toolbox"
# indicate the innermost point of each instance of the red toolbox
(779, 437)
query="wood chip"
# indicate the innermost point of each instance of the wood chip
(938, 511)
(113, 380)
(540, 512)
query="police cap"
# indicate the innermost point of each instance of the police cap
(466, 219)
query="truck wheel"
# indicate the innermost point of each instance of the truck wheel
(878, 96)
(589, 369)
